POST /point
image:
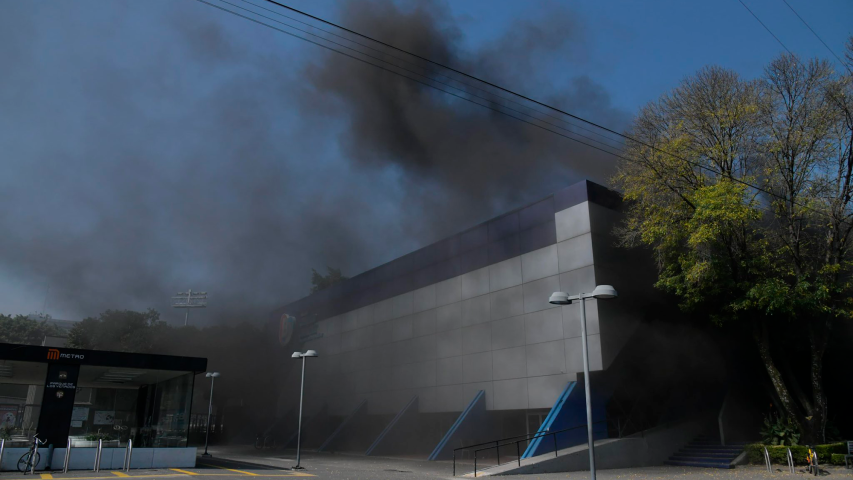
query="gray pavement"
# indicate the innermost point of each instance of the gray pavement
(238, 463)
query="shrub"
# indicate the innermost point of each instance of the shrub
(779, 431)
(837, 459)
(779, 453)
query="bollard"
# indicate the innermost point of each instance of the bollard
(767, 460)
(815, 463)
(98, 455)
(2, 448)
(128, 454)
(791, 462)
(34, 456)
(67, 456)
(48, 461)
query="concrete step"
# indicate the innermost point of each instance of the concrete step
(710, 450)
(698, 463)
(704, 455)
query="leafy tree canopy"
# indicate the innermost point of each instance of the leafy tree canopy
(322, 282)
(743, 189)
(24, 330)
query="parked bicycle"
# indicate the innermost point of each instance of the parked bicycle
(31, 458)
(262, 441)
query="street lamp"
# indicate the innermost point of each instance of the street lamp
(563, 298)
(212, 376)
(303, 356)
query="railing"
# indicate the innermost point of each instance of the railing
(496, 444)
(720, 419)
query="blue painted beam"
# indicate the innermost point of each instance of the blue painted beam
(475, 406)
(410, 406)
(535, 444)
(570, 411)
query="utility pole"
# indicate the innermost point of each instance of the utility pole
(189, 299)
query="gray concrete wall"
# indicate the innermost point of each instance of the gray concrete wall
(488, 329)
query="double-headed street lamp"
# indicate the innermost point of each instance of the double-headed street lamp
(212, 376)
(303, 356)
(563, 298)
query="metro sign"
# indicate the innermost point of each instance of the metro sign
(55, 354)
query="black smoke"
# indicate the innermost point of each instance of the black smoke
(150, 147)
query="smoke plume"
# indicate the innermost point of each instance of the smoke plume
(150, 147)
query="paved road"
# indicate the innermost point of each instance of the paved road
(239, 464)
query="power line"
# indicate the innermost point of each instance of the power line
(432, 71)
(656, 149)
(410, 78)
(766, 27)
(816, 35)
(425, 76)
(697, 165)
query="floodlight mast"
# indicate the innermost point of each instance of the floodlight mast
(189, 299)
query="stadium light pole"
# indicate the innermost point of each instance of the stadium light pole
(303, 356)
(563, 298)
(212, 376)
(187, 300)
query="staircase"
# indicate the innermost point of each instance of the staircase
(706, 452)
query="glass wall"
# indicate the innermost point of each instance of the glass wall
(21, 390)
(152, 414)
(168, 413)
(107, 414)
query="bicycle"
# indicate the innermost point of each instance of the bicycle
(262, 442)
(25, 463)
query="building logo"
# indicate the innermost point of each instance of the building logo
(286, 326)
(54, 354)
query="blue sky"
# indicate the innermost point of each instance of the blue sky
(640, 49)
(152, 146)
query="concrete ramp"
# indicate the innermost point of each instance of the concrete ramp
(644, 449)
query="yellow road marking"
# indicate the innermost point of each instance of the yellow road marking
(46, 475)
(230, 469)
(182, 473)
(186, 472)
(120, 474)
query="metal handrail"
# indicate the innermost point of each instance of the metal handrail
(522, 438)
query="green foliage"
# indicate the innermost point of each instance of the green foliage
(779, 453)
(24, 330)
(322, 282)
(779, 430)
(743, 189)
(837, 459)
(119, 331)
(6, 432)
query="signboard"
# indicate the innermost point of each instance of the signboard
(80, 413)
(104, 417)
(76, 423)
(8, 415)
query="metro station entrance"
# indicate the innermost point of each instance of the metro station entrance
(89, 395)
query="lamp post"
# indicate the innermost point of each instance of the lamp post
(212, 376)
(563, 298)
(303, 356)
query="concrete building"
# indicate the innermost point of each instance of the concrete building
(410, 351)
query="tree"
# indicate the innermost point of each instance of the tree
(24, 330)
(321, 282)
(120, 331)
(743, 189)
